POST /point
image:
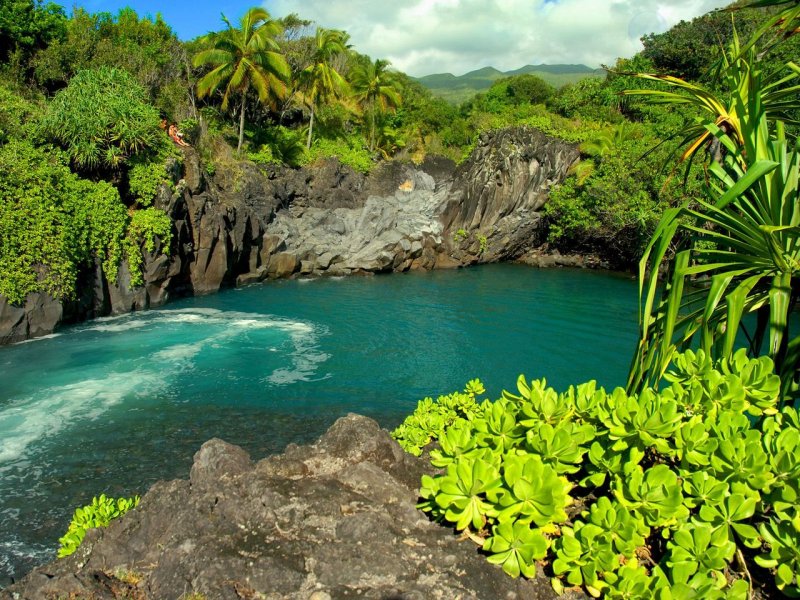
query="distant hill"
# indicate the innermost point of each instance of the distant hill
(457, 89)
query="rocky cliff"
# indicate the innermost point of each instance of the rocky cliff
(330, 521)
(246, 224)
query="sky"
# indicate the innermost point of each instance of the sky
(421, 37)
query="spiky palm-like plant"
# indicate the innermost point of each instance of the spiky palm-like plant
(743, 240)
(244, 58)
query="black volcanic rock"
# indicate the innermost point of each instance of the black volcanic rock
(333, 520)
(247, 223)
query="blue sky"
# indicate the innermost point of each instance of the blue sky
(188, 18)
(434, 36)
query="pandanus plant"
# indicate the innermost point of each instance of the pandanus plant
(736, 262)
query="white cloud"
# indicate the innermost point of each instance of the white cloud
(434, 36)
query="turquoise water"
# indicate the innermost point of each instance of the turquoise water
(118, 403)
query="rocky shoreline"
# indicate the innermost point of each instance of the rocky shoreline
(245, 224)
(331, 521)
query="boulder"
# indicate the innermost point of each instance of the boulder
(334, 520)
(282, 265)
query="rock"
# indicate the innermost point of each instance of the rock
(329, 521)
(217, 459)
(282, 264)
(39, 315)
(246, 223)
(497, 193)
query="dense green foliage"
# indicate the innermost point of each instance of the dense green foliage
(99, 513)
(55, 225)
(743, 236)
(685, 492)
(350, 151)
(147, 226)
(618, 194)
(101, 118)
(146, 48)
(52, 223)
(15, 114)
(27, 26)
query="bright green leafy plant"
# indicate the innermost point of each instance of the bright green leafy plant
(102, 118)
(99, 513)
(681, 493)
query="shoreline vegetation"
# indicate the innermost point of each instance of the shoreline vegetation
(311, 95)
(683, 485)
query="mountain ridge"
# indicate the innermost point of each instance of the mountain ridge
(458, 88)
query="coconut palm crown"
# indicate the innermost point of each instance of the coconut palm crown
(319, 81)
(244, 58)
(375, 88)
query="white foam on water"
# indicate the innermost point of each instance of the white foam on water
(48, 412)
(181, 318)
(120, 326)
(38, 339)
(194, 310)
(305, 356)
(51, 410)
(179, 353)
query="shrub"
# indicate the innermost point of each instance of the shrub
(144, 179)
(687, 490)
(52, 223)
(350, 152)
(101, 119)
(145, 227)
(99, 513)
(15, 113)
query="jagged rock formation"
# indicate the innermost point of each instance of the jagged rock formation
(492, 209)
(330, 521)
(245, 224)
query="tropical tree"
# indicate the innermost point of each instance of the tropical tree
(243, 58)
(320, 81)
(743, 239)
(375, 89)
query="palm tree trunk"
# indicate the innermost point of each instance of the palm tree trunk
(372, 129)
(241, 124)
(310, 129)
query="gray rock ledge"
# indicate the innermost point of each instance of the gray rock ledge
(334, 520)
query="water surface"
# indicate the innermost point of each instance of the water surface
(116, 404)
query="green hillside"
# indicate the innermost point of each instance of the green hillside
(457, 89)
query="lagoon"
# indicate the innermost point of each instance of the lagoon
(113, 405)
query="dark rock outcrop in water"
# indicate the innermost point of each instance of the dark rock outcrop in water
(492, 209)
(330, 521)
(245, 225)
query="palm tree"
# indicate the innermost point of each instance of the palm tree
(320, 81)
(374, 87)
(744, 239)
(244, 58)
